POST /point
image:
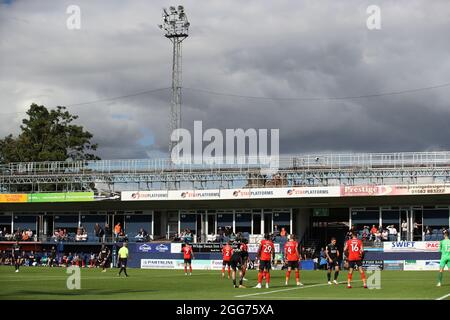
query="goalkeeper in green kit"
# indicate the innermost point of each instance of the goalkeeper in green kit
(444, 248)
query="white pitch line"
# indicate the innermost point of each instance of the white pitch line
(289, 289)
(443, 297)
(89, 277)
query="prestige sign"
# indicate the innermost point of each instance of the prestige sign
(394, 190)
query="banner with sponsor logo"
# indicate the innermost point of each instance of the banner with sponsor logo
(61, 197)
(411, 246)
(229, 194)
(159, 263)
(372, 264)
(153, 247)
(12, 198)
(422, 265)
(178, 264)
(175, 247)
(394, 190)
(194, 194)
(144, 195)
(393, 264)
(215, 247)
(295, 192)
(207, 247)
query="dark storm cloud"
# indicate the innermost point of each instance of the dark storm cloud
(256, 48)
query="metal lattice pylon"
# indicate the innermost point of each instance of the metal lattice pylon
(176, 27)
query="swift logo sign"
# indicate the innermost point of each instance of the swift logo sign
(412, 246)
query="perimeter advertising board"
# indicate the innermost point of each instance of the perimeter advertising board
(293, 192)
(178, 264)
(411, 246)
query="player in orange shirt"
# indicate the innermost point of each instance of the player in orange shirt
(354, 252)
(266, 253)
(292, 258)
(227, 252)
(188, 255)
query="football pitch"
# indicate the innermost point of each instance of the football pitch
(51, 283)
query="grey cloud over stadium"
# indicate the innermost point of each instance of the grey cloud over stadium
(275, 49)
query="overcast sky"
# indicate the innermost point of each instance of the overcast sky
(277, 49)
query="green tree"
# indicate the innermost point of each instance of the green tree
(48, 135)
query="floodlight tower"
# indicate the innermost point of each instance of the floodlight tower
(176, 27)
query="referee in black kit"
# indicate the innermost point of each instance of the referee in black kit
(123, 257)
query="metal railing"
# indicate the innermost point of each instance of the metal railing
(439, 159)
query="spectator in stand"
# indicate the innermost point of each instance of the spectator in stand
(25, 236)
(373, 232)
(303, 253)
(378, 236)
(8, 236)
(78, 236)
(283, 232)
(365, 233)
(92, 260)
(392, 233)
(52, 257)
(188, 236)
(348, 236)
(76, 260)
(117, 230)
(2, 257)
(106, 232)
(17, 235)
(276, 232)
(122, 236)
(97, 229)
(55, 235)
(44, 259)
(428, 231)
(323, 259)
(61, 235)
(404, 233)
(417, 231)
(142, 235)
(30, 234)
(32, 259)
(384, 235)
(69, 259)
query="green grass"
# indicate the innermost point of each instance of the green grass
(50, 283)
